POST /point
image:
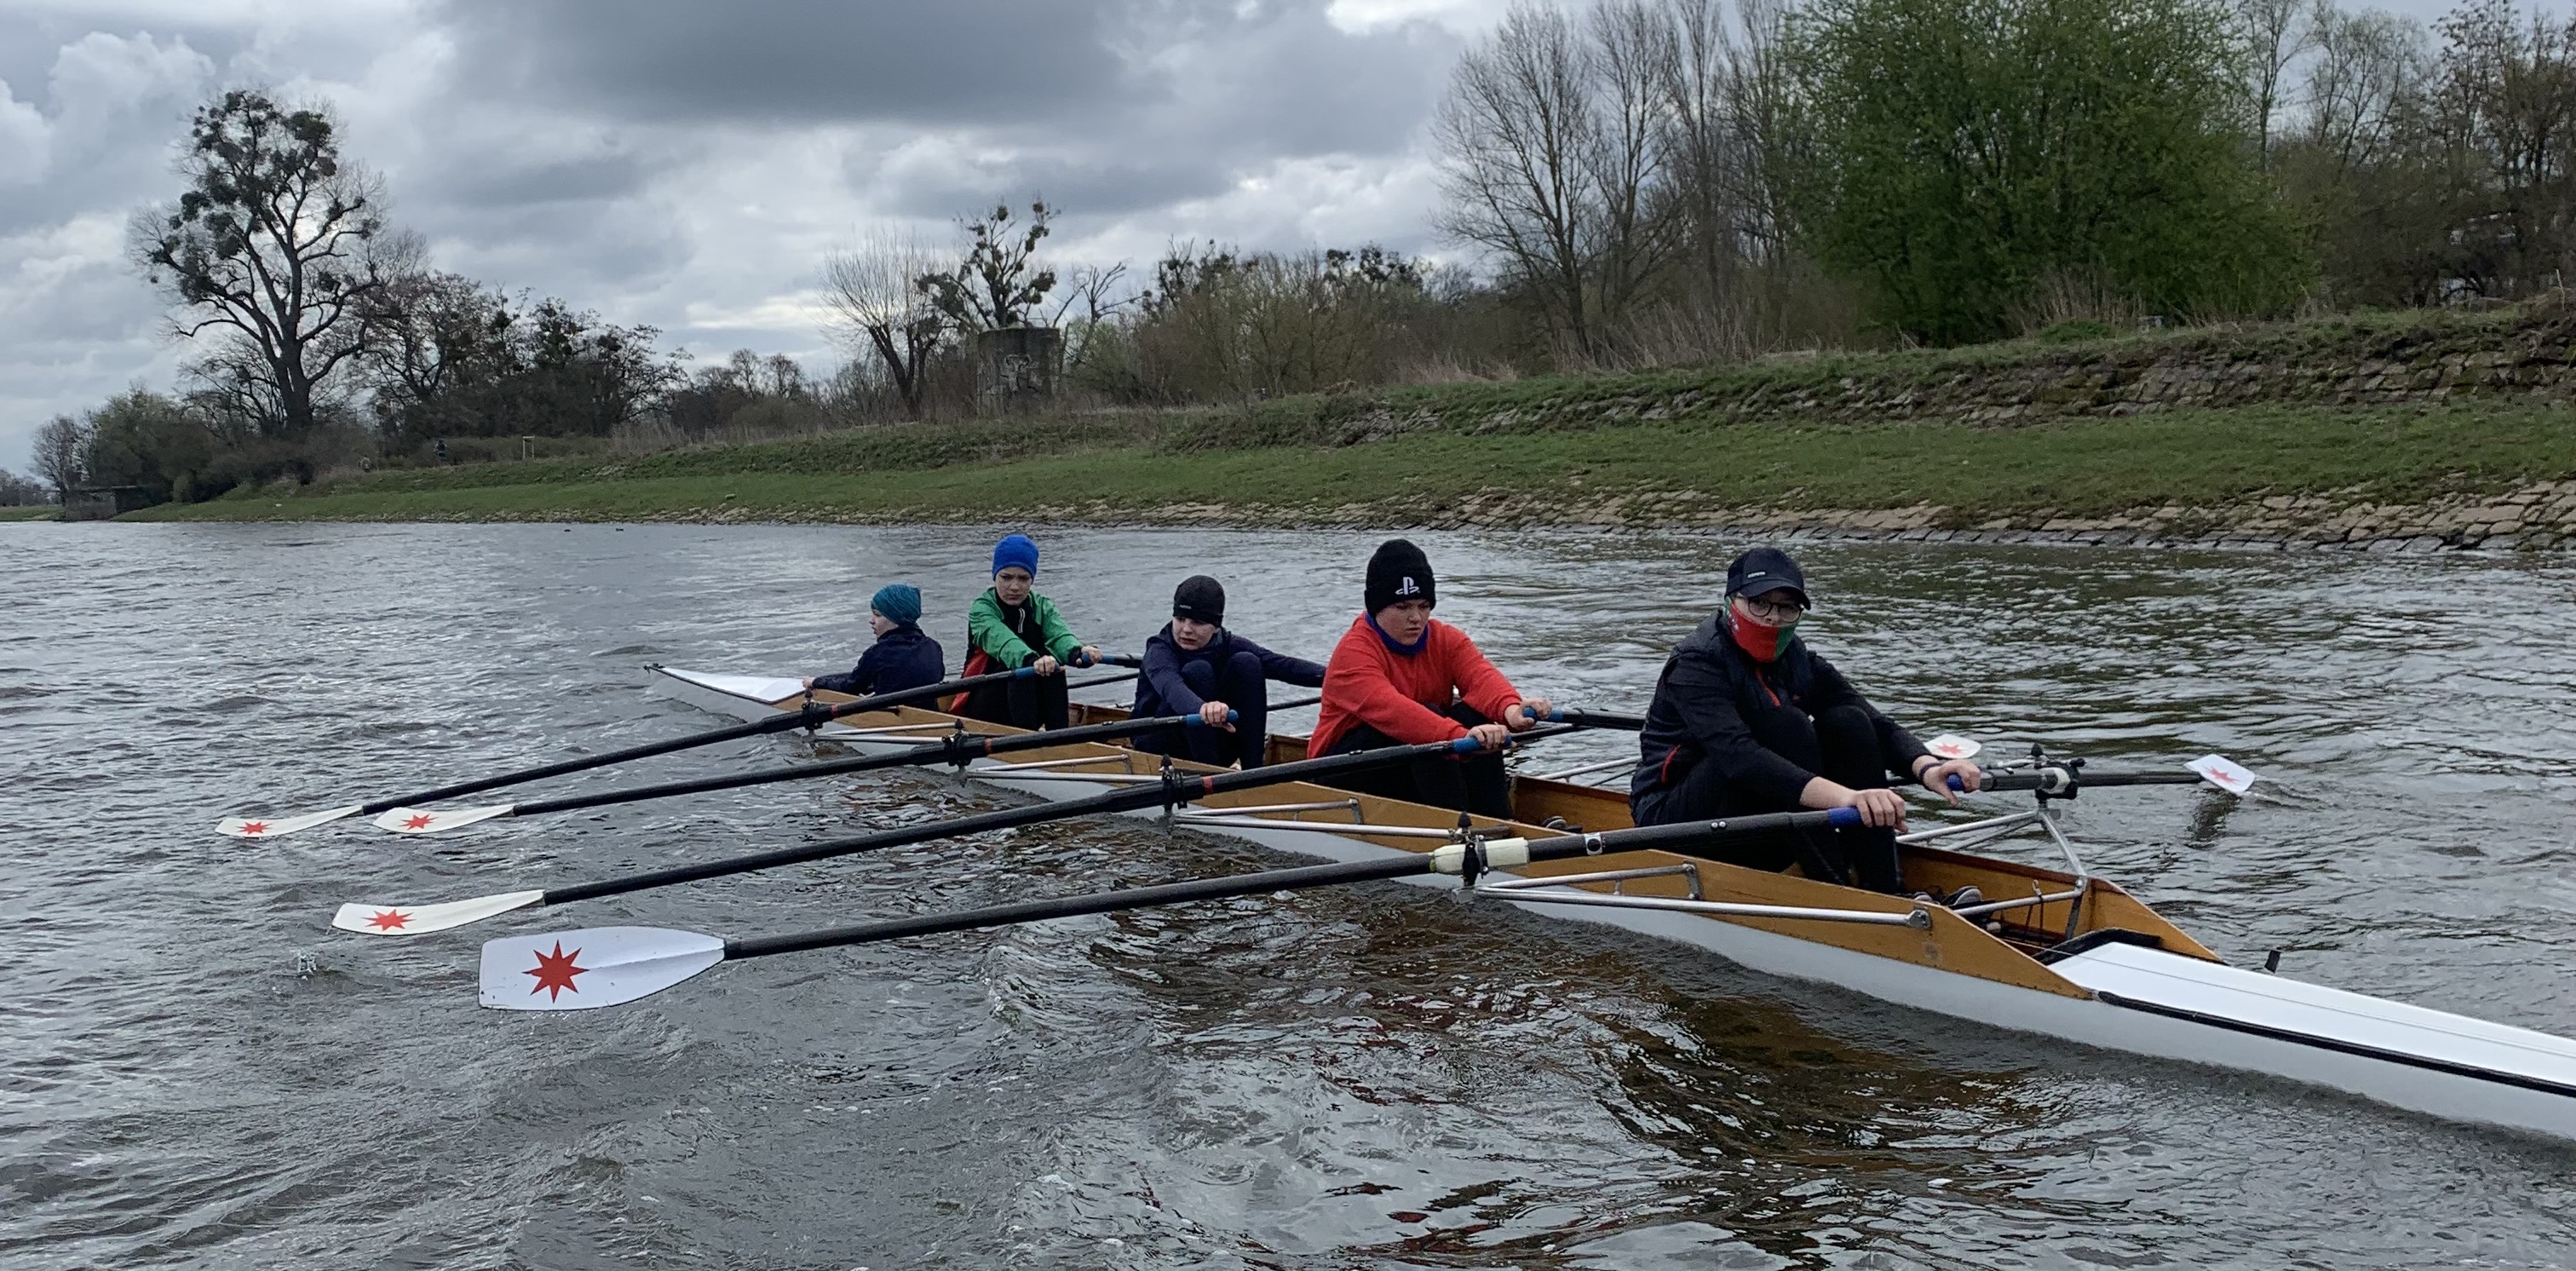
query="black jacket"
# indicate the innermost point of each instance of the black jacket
(900, 659)
(1713, 698)
(1160, 692)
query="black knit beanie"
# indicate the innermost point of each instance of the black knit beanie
(1399, 571)
(1200, 598)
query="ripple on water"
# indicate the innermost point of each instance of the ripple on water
(196, 1072)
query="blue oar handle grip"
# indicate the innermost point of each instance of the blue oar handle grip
(1194, 721)
(1843, 818)
(1467, 746)
(1958, 785)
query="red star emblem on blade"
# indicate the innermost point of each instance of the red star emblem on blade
(554, 973)
(418, 821)
(254, 827)
(388, 920)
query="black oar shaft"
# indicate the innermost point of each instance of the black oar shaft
(815, 714)
(1681, 833)
(1260, 884)
(1177, 789)
(957, 749)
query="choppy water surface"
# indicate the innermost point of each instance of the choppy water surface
(195, 1071)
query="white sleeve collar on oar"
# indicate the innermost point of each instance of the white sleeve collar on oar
(1175, 788)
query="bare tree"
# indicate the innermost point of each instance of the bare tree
(2368, 66)
(876, 297)
(1634, 51)
(62, 446)
(278, 243)
(1516, 134)
(1555, 160)
(2502, 109)
(2275, 34)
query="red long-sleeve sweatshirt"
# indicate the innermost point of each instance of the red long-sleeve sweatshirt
(1401, 694)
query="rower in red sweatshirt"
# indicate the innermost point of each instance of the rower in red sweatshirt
(1400, 678)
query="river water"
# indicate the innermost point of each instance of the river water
(195, 1071)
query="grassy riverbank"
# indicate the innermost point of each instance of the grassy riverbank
(2088, 468)
(2199, 430)
(36, 512)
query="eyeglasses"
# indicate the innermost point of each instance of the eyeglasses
(1770, 610)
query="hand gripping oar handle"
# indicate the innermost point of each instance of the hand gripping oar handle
(813, 715)
(1174, 788)
(959, 749)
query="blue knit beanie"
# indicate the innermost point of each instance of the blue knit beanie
(1016, 549)
(897, 602)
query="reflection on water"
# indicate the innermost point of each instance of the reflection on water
(196, 1072)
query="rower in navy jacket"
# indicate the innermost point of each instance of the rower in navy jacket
(1195, 666)
(1747, 719)
(903, 657)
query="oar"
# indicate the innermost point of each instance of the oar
(606, 966)
(813, 715)
(959, 749)
(1612, 720)
(1174, 788)
(2064, 781)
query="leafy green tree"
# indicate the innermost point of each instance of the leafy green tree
(1965, 153)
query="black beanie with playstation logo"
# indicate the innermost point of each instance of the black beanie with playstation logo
(1399, 571)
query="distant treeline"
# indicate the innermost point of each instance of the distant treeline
(1645, 182)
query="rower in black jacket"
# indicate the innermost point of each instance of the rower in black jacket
(903, 656)
(1747, 719)
(1195, 666)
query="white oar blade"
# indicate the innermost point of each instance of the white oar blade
(416, 920)
(2224, 773)
(1953, 746)
(588, 969)
(431, 821)
(269, 827)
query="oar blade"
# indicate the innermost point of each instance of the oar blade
(591, 968)
(420, 920)
(433, 820)
(2224, 773)
(269, 827)
(1953, 746)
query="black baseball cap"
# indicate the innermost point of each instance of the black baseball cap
(1765, 569)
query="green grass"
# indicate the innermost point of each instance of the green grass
(1141, 470)
(36, 512)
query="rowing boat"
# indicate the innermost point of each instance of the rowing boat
(2059, 953)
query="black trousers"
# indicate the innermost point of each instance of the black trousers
(1475, 784)
(1038, 701)
(1238, 683)
(1839, 745)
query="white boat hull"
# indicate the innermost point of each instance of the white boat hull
(2173, 1007)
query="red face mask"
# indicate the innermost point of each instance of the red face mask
(1760, 643)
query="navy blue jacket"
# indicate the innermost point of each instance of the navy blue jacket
(1160, 692)
(1709, 691)
(900, 659)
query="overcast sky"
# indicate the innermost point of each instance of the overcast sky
(687, 163)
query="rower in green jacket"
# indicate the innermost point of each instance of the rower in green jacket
(1011, 626)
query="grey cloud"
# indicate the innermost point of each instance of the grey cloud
(787, 60)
